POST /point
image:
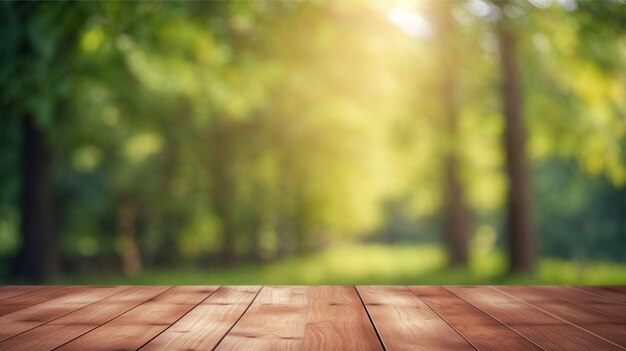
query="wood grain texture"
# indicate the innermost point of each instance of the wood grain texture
(207, 323)
(598, 323)
(615, 293)
(36, 315)
(134, 328)
(304, 318)
(336, 317)
(607, 306)
(405, 322)
(544, 330)
(275, 321)
(480, 329)
(79, 322)
(312, 318)
(34, 297)
(11, 291)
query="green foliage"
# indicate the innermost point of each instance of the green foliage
(377, 264)
(585, 217)
(259, 129)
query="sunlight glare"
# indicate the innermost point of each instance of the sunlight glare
(411, 23)
(568, 5)
(484, 10)
(542, 4)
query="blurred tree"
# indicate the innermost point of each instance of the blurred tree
(457, 227)
(520, 223)
(39, 43)
(176, 133)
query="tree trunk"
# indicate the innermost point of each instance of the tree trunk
(222, 186)
(456, 213)
(170, 221)
(127, 215)
(166, 216)
(520, 224)
(37, 259)
(227, 254)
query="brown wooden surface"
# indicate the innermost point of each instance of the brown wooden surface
(136, 327)
(206, 324)
(30, 317)
(581, 316)
(477, 327)
(405, 322)
(69, 327)
(312, 318)
(35, 296)
(543, 329)
(309, 318)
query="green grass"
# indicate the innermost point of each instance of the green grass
(375, 264)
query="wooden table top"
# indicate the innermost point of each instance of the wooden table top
(312, 318)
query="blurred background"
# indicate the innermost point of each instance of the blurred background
(313, 142)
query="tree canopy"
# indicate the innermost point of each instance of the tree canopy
(215, 132)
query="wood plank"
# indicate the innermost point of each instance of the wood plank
(609, 328)
(544, 330)
(11, 291)
(136, 327)
(275, 320)
(405, 322)
(336, 318)
(33, 316)
(482, 331)
(614, 293)
(606, 306)
(331, 317)
(77, 323)
(34, 297)
(204, 326)
(299, 317)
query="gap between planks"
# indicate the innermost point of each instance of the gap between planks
(532, 323)
(559, 316)
(437, 316)
(380, 339)
(181, 317)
